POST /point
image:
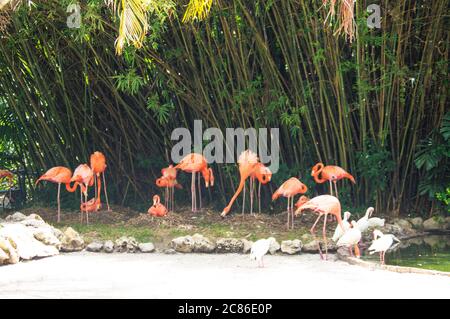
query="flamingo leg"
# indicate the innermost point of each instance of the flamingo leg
(95, 188)
(331, 188)
(335, 187)
(324, 232)
(288, 212)
(259, 197)
(81, 202)
(85, 206)
(106, 193)
(314, 234)
(200, 190)
(193, 191)
(292, 212)
(251, 196)
(243, 201)
(59, 206)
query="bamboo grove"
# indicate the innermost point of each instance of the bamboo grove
(367, 106)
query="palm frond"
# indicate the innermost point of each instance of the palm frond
(197, 9)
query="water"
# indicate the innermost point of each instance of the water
(429, 252)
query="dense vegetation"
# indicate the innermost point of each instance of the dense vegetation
(376, 106)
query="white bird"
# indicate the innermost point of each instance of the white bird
(381, 243)
(338, 232)
(351, 238)
(259, 249)
(363, 222)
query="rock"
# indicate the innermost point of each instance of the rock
(71, 241)
(26, 245)
(434, 223)
(229, 245)
(435, 242)
(8, 253)
(392, 229)
(46, 236)
(417, 222)
(310, 247)
(182, 244)
(146, 247)
(108, 246)
(447, 222)
(95, 246)
(169, 251)
(126, 244)
(274, 246)
(403, 223)
(34, 216)
(36, 223)
(291, 247)
(247, 246)
(202, 244)
(16, 217)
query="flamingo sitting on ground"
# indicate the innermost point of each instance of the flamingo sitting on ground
(94, 204)
(289, 189)
(59, 175)
(247, 162)
(169, 185)
(98, 166)
(84, 176)
(331, 174)
(196, 163)
(338, 232)
(351, 238)
(259, 249)
(322, 205)
(157, 209)
(381, 243)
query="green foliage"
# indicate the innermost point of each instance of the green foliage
(129, 82)
(444, 197)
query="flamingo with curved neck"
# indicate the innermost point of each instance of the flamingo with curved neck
(330, 173)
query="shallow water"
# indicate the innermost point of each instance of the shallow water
(430, 252)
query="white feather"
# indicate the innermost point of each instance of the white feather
(375, 222)
(260, 248)
(338, 232)
(382, 242)
(351, 237)
(363, 223)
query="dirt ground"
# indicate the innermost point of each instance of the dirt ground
(124, 221)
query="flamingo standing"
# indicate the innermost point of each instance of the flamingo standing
(381, 243)
(94, 204)
(247, 162)
(157, 209)
(98, 166)
(338, 232)
(196, 163)
(323, 205)
(59, 175)
(351, 238)
(331, 174)
(169, 175)
(263, 175)
(289, 189)
(169, 185)
(85, 177)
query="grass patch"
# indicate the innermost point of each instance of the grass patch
(103, 232)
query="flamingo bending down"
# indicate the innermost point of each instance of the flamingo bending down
(351, 238)
(98, 166)
(157, 209)
(169, 185)
(289, 189)
(59, 175)
(247, 162)
(84, 176)
(323, 205)
(259, 249)
(381, 243)
(196, 163)
(331, 174)
(94, 204)
(338, 232)
(363, 222)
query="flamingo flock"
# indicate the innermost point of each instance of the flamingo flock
(84, 177)
(346, 234)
